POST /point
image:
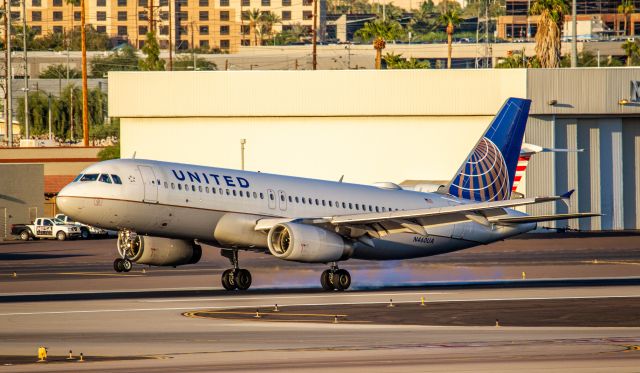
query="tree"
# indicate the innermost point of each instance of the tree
(185, 63)
(380, 31)
(631, 50)
(550, 22)
(255, 19)
(424, 20)
(396, 61)
(153, 62)
(269, 19)
(59, 71)
(450, 19)
(110, 152)
(626, 8)
(124, 59)
(589, 59)
(95, 41)
(294, 34)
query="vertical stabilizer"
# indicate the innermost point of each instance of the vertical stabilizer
(489, 170)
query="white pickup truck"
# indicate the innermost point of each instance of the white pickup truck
(86, 230)
(50, 228)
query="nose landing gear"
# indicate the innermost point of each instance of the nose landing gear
(236, 277)
(335, 278)
(125, 248)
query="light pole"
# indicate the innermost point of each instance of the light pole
(574, 40)
(26, 68)
(9, 118)
(242, 143)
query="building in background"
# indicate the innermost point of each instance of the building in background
(597, 19)
(205, 24)
(21, 195)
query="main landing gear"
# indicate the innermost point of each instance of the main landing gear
(236, 277)
(335, 278)
(125, 240)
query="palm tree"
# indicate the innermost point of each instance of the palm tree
(450, 19)
(269, 19)
(626, 8)
(380, 31)
(255, 18)
(631, 50)
(551, 14)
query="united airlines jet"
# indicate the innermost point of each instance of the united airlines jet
(163, 210)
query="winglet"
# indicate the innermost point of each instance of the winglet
(566, 198)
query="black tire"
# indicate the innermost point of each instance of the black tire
(228, 280)
(126, 265)
(325, 280)
(61, 236)
(85, 234)
(243, 279)
(24, 235)
(342, 279)
(117, 265)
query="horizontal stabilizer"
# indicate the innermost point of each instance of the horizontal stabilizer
(541, 218)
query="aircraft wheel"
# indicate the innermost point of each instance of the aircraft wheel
(243, 279)
(342, 279)
(326, 280)
(126, 265)
(117, 265)
(228, 280)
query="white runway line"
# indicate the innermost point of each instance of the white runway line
(303, 305)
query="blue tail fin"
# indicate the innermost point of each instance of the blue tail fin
(488, 172)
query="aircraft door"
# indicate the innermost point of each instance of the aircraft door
(150, 184)
(282, 200)
(272, 199)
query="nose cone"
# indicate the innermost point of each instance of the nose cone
(67, 202)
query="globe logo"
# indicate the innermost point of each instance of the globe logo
(485, 176)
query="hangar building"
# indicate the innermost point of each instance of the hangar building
(394, 125)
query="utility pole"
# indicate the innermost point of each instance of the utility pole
(242, 143)
(71, 113)
(315, 35)
(50, 118)
(150, 15)
(9, 118)
(26, 69)
(85, 90)
(574, 40)
(193, 48)
(170, 39)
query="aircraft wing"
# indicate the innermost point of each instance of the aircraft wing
(378, 224)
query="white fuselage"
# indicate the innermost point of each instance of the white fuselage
(187, 201)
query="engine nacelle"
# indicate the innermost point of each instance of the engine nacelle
(158, 251)
(306, 243)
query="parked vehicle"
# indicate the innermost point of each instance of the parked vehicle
(46, 228)
(86, 230)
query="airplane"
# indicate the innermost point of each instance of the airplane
(164, 211)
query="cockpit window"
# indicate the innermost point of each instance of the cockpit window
(116, 179)
(89, 177)
(77, 178)
(105, 178)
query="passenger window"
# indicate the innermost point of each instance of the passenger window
(179, 186)
(344, 205)
(317, 202)
(350, 206)
(330, 204)
(105, 178)
(297, 200)
(311, 201)
(290, 199)
(323, 203)
(193, 188)
(271, 196)
(255, 195)
(200, 188)
(221, 191)
(116, 179)
(166, 185)
(384, 209)
(282, 197)
(304, 200)
(173, 186)
(89, 177)
(241, 195)
(248, 195)
(228, 193)
(186, 187)
(206, 189)
(377, 209)
(234, 192)
(213, 190)
(261, 195)
(159, 182)
(357, 207)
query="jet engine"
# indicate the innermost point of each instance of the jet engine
(306, 243)
(158, 251)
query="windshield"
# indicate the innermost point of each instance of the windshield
(89, 177)
(77, 178)
(105, 178)
(58, 221)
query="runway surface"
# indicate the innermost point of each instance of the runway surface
(570, 328)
